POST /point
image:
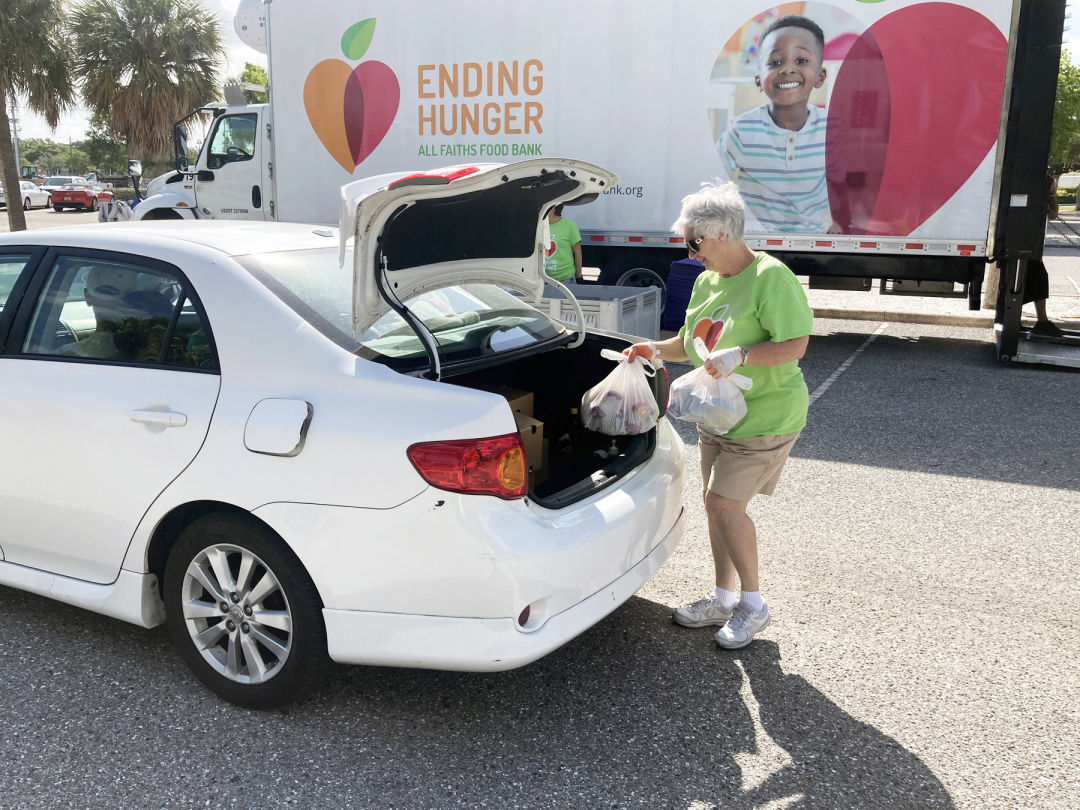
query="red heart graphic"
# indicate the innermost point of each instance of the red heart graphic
(371, 101)
(550, 251)
(709, 331)
(914, 110)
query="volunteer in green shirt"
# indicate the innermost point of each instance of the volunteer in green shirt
(564, 249)
(752, 313)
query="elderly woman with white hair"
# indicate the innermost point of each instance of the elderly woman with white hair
(753, 315)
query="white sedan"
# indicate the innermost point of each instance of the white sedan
(29, 195)
(293, 449)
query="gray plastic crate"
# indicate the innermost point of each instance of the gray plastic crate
(630, 310)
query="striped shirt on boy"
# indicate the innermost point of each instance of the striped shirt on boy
(780, 172)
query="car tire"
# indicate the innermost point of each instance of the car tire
(58, 208)
(243, 613)
(94, 204)
(26, 204)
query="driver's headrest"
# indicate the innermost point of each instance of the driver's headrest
(125, 293)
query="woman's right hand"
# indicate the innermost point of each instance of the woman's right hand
(646, 350)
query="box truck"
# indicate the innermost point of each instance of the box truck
(922, 161)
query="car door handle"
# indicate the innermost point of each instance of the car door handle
(163, 418)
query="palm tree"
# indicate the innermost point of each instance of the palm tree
(144, 64)
(35, 65)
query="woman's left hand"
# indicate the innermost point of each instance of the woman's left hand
(723, 362)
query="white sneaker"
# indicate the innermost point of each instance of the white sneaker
(744, 625)
(702, 613)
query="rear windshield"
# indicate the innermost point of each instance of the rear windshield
(57, 181)
(469, 321)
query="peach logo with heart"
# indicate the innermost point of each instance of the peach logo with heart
(708, 330)
(351, 108)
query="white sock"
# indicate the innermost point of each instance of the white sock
(727, 599)
(753, 600)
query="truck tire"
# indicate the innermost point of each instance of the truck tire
(638, 270)
(162, 213)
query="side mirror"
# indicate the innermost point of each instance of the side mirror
(135, 168)
(180, 145)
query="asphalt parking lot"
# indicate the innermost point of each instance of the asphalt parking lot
(48, 218)
(920, 559)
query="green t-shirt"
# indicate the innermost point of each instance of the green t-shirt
(765, 302)
(560, 252)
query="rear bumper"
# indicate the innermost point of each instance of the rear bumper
(480, 645)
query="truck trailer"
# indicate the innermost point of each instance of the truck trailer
(922, 162)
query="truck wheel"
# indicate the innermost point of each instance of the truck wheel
(638, 270)
(243, 613)
(162, 213)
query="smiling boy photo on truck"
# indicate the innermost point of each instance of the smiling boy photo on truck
(775, 153)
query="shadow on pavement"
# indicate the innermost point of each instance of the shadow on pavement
(945, 406)
(835, 760)
(635, 713)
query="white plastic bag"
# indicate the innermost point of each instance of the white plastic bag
(715, 404)
(621, 404)
(114, 211)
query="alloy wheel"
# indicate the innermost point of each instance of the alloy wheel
(237, 614)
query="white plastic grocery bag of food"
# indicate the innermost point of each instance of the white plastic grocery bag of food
(621, 404)
(715, 404)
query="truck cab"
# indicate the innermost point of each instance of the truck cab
(231, 175)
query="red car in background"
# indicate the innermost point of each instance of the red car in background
(80, 196)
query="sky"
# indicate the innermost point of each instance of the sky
(74, 123)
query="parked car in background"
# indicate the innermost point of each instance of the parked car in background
(80, 196)
(58, 181)
(30, 195)
(292, 443)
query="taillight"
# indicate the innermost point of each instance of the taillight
(491, 466)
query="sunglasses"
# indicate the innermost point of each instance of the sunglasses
(692, 245)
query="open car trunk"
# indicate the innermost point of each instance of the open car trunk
(567, 462)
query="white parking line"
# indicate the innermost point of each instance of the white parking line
(1073, 282)
(821, 389)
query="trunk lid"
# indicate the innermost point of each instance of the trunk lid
(418, 231)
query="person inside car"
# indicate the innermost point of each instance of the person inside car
(129, 311)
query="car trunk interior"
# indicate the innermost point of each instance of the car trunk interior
(567, 462)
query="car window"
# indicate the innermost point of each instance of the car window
(233, 140)
(469, 321)
(11, 266)
(102, 310)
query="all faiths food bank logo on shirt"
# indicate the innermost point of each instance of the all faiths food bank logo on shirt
(351, 108)
(711, 328)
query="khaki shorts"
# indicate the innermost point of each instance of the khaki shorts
(742, 468)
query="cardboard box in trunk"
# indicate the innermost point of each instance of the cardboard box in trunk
(532, 436)
(521, 401)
